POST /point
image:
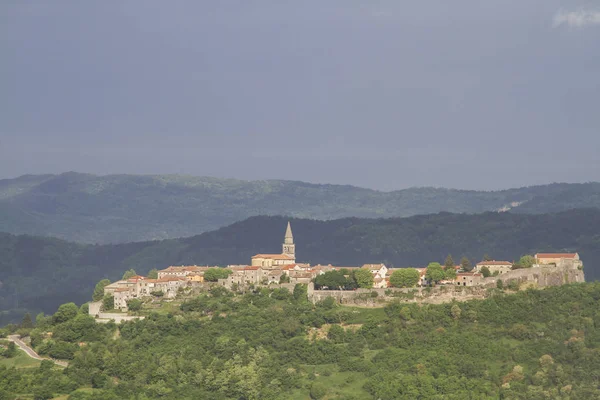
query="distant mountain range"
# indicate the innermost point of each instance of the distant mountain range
(40, 273)
(124, 208)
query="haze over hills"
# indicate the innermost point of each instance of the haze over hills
(41, 273)
(123, 208)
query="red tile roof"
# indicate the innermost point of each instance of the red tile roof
(555, 255)
(274, 256)
(494, 262)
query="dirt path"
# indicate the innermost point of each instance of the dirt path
(31, 353)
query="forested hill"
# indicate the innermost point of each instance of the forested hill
(41, 273)
(124, 208)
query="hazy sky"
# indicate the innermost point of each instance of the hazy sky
(383, 94)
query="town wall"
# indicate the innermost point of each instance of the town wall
(539, 276)
(95, 308)
(117, 317)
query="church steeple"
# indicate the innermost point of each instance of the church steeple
(289, 247)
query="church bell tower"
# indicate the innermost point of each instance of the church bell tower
(289, 247)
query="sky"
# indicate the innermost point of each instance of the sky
(381, 94)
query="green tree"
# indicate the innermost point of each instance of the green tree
(500, 284)
(466, 264)
(435, 272)
(99, 289)
(333, 280)
(214, 274)
(134, 304)
(300, 292)
(450, 273)
(284, 278)
(527, 261)
(129, 273)
(65, 313)
(41, 321)
(486, 257)
(449, 263)
(405, 277)
(363, 278)
(485, 271)
(455, 311)
(336, 334)
(153, 273)
(108, 302)
(26, 322)
(10, 351)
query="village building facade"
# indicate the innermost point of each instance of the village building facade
(494, 266)
(267, 269)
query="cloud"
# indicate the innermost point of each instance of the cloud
(578, 19)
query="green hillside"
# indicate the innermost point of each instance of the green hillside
(40, 273)
(272, 344)
(124, 208)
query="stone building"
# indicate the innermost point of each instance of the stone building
(493, 265)
(287, 256)
(554, 258)
(468, 278)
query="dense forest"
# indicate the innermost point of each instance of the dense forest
(273, 344)
(38, 273)
(126, 208)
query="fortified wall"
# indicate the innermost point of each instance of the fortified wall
(567, 271)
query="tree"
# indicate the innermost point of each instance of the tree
(11, 350)
(450, 273)
(527, 261)
(41, 321)
(284, 278)
(214, 274)
(434, 272)
(486, 257)
(65, 313)
(153, 273)
(363, 278)
(500, 284)
(449, 263)
(300, 292)
(99, 289)
(455, 311)
(26, 322)
(129, 273)
(134, 304)
(405, 277)
(485, 271)
(108, 302)
(331, 280)
(466, 264)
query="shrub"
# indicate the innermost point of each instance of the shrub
(134, 304)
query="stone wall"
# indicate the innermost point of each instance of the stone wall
(95, 308)
(105, 317)
(541, 276)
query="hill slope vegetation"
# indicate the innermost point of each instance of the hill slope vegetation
(273, 344)
(125, 208)
(40, 273)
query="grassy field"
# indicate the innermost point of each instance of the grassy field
(21, 360)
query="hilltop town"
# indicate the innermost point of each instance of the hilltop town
(282, 269)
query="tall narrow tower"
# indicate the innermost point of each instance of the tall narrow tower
(289, 247)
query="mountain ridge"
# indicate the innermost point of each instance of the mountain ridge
(122, 208)
(39, 273)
